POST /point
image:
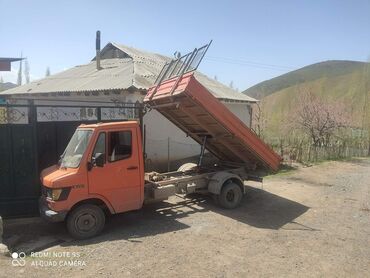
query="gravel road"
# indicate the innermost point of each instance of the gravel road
(312, 222)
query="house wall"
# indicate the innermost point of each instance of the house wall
(242, 110)
(166, 144)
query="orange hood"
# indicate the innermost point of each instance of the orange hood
(55, 176)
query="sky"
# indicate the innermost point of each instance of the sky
(252, 40)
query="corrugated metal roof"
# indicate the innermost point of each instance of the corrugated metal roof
(220, 90)
(115, 74)
(137, 69)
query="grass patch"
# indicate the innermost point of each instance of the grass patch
(283, 171)
(341, 159)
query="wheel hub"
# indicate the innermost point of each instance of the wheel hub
(230, 196)
(85, 222)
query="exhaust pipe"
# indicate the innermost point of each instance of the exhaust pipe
(97, 46)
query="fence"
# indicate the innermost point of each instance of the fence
(306, 152)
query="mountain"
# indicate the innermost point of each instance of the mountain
(327, 69)
(344, 81)
(7, 85)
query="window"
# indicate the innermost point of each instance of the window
(120, 145)
(100, 145)
(76, 148)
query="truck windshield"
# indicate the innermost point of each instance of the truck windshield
(76, 148)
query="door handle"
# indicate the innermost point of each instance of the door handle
(132, 168)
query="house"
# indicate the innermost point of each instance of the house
(124, 75)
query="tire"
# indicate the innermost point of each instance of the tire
(231, 196)
(85, 221)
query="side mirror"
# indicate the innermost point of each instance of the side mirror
(99, 160)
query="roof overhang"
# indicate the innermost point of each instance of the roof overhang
(5, 63)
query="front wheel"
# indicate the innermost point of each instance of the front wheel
(85, 221)
(231, 196)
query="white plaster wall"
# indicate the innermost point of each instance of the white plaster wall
(163, 138)
(241, 110)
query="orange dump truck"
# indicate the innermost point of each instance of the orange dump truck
(102, 169)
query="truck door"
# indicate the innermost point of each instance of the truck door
(119, 180)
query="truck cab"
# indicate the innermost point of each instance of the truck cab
(101, 171)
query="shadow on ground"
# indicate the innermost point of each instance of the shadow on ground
(265, 210)
(259, 209)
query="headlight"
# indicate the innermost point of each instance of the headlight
(57, 194)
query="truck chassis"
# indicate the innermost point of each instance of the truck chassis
(191, 178)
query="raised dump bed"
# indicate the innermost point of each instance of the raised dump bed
(192, 108)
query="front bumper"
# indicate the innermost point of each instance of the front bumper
(48, 214)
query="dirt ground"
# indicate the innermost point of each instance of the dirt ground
(312, 222)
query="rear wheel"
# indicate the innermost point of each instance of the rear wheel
(85, 221)
(230, 196)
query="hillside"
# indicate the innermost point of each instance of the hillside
(7, 85)
(327, 69)
(344, 81)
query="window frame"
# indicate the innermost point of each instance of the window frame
(105, 145)
(108, 146)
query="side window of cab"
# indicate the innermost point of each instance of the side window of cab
(119, 145)
(99, 146)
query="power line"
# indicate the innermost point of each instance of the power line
(247, 63)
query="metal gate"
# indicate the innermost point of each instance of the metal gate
(32, 137)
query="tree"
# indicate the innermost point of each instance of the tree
(47, 73)
(366, 104)
(19, 79)
(258, 119)
(319, 119)
(27, 71)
